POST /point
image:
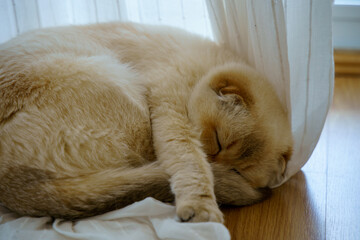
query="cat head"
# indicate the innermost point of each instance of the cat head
(242, 123)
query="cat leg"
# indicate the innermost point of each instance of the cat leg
(34, 192)
(38, 193)
(179, 150)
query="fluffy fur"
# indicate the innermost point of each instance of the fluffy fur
(93, 118)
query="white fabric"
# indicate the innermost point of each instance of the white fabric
(148, 219)
(289, 42)
(18, 16)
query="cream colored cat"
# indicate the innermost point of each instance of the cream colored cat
(93, 118)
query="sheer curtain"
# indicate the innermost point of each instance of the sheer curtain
(290, 43)
(18, 16)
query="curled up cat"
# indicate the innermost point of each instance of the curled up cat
(96, 117)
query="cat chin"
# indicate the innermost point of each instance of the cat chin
(276, 182)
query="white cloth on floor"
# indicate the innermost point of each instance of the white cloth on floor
(145, 220)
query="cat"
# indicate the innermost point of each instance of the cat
(95, 117)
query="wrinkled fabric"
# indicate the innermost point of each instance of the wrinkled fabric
(289, 42)
(145, 220)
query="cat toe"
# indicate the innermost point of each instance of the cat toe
(200, 212)
(186, 214)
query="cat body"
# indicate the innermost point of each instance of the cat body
(93, 118)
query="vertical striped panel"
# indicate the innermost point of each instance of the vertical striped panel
(196, 18)
(55, 13)
(8, 21)
(217, 15)
(107, 10)
(123, 10)
(149, 11)
(267, 37)
(311, 66)
(27, 14)
(84, 11)
(133, 10)
(191, 15)
(18, 16)
(171, 13)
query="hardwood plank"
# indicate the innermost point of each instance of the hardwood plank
(318, 160)
(348, 69)
(347, 56)
(295, 211)
(347, 62)
(343, 187)
(343, 208)
(346, 95)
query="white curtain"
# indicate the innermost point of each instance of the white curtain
(18, 16)
(289, 42)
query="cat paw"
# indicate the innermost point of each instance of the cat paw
(199, 211)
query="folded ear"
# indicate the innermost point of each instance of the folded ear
(232, 86)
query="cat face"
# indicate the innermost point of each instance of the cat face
(242, 124)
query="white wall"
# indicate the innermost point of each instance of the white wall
(346, 24)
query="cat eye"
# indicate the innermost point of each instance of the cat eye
(218, 143)
(231, 144)
(237, 172)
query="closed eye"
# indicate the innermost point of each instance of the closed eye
(218, 143)
(231, 144)
(237, 172)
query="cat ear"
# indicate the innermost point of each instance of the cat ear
(232, 87)
(231, 93)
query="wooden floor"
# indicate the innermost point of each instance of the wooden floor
(323, 200)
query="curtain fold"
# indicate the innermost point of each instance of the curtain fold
(18, 16)
(290, 43)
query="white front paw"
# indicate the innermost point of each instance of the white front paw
(199, 209)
